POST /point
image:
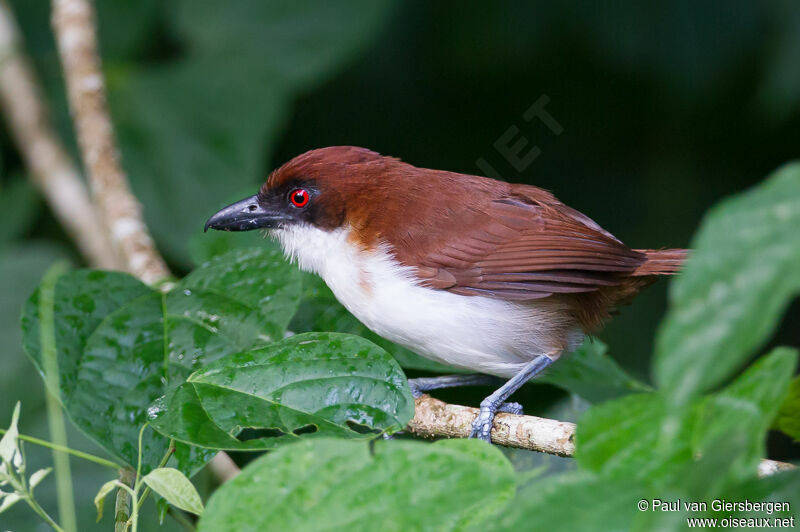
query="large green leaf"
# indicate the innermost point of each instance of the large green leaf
(744, 270)
(585, 502)
(340, 485)
(258, 277)
(121, 344)
(712, 442)
(742, 413)
(783, 487)
(313, 384)
(204, 246)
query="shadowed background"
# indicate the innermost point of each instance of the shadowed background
(665, 110)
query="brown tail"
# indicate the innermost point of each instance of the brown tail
(661, 261)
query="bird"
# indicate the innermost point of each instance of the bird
(495, 278)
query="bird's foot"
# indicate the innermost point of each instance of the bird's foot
(416, 390)
(511, 408)
(482, 426)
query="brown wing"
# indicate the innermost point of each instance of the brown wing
(521, 248)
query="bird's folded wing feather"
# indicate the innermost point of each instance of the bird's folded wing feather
(518, 249)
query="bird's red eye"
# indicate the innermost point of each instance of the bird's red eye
(299, 197)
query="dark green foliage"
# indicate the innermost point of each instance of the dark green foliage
(121, 345)
(741, 275)
(685, 103)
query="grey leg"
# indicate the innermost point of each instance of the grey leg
(482, 426)
(425, 384)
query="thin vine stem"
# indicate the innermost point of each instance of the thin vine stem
(42, 513)
(163, 462)
(78, 454)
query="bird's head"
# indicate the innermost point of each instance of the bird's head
(325, 189)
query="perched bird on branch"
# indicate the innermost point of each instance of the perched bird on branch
(478, 274)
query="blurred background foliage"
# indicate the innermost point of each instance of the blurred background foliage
(665, 109)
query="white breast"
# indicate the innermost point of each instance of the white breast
(471, 332)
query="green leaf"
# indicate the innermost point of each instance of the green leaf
(100, 498)
(623, 437)
(122, 345)
(311, 385)
(334, 484)
(788, 419)
(276, 288)
(175, 488)
(585, 502)
(591, 374)
(8, 501)
(744, 270)
(703, 446)
(205, 246)
(740, 415)
(780, 487)
(38, 477)
(8, 443)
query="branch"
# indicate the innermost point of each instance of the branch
(50, 168)
(436, 419)
(122, 507)
(73, 22)
(223, 467)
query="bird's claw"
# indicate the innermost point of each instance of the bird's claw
(482, 426)
(511, 408)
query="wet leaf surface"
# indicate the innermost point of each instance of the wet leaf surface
(121, 344)
(310, 385)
